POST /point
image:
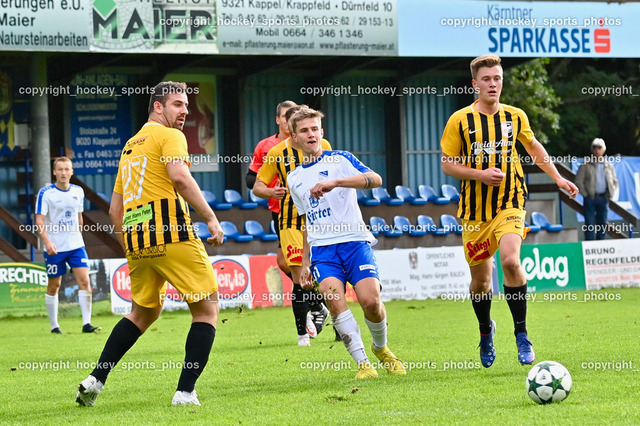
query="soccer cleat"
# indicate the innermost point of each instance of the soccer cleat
(304, 340)
(389, 360)
(56, 331)
(88, 328)
(185, 398)
(487, 351)
(311, 327)
(525, 350)
(88, 391)
(366, 371)
(320, 317)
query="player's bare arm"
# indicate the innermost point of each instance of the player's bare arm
(541, 158)
(305, 275)
(188, 188)
(362, 181)
(116, 211)
(263, 191)
(452, 167)
(48, 245)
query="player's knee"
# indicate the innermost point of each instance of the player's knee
(370, 304)
(510, 265)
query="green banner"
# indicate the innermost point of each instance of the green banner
(551, 267)
(22, 288)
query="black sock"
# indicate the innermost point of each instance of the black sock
(316, 301)
(300, 305)
(197, 349)
(482, 307)
(517, 301)
(122, 337)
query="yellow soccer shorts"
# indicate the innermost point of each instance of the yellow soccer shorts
(291, 242)
(184, 264)
(481, 240)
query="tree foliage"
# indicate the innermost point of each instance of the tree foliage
(527, 86)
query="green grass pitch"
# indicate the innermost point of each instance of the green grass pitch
(258, 375)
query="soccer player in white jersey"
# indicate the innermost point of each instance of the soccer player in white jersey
(59, 210)
(337, 243)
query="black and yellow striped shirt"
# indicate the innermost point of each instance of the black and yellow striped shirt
(482, 141)
(154, 212)
(280, 161)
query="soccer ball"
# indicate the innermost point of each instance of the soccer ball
(548, 381)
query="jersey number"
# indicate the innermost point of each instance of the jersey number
(133, 176)
(52, 269)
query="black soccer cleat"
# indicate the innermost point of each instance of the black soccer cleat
(56, 331)
(88, 328)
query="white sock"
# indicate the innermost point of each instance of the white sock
(84, 298)
(348, 329)
(378, 333)
(52, 309)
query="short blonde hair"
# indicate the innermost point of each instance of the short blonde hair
(484, 61)
(62, 159)
(302, 114)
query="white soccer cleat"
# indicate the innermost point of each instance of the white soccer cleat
(304, 340)
(311, 326)
(88, 391)
(185, 398)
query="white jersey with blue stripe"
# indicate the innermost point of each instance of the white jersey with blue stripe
(60, 210)
(335, 217)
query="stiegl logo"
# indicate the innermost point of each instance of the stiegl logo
(547, 268)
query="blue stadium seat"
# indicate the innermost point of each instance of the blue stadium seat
(255, 229)
(450, 192)
(202, 230)
(234, 198)
(213, 202)
(259, 201)
(426, 222)
(532, 228)
(406, 195)
(381, 194)
(538, 218)
(427, 192)
(272, 227)
(104, 197)
(403, 224)
(379, 226)
(450, 222)
(231, 231)
(365, 200)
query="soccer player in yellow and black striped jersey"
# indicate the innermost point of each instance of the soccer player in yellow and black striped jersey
(279, 162)
(478, 147)
(149, 204)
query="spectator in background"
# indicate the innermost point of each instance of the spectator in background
(597, 182)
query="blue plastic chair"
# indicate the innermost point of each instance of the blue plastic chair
(234, 198)
(532, 228)
(213, 202)
(272, 227)
(426, 222)
(381, 194)
(259, 201)
(379, 226)
(427, 192)
(449, 222)
(406, 195)
(365, 200)
(255, 229)
(403, 224)
(202, 230)
(538, 218)
(450, 192)
(231, 231)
